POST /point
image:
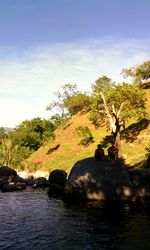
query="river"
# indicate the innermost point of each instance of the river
(31, 220)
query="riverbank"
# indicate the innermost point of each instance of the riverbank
(36, 174)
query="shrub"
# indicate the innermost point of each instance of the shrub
(85, 134)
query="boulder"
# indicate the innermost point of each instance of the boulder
(58, 176)
(57, 182)
(56, 191)
(30, 181)
(10, 187)
(105, 179)
(140, 178)
(40, 182)
(7, 171)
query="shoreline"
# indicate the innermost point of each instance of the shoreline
(36, 174)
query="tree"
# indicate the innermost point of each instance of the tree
(32, 133)
(68, 90)
(78, 102)
(139, 73)
(117, 105)
(101, 84)
(70, 100)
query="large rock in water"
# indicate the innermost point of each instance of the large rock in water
(57, 182)
(98, 180)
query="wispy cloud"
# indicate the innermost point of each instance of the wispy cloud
(28, 78)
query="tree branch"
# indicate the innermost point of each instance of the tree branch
(121, 106)
(112, 123)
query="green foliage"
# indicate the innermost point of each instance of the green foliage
(12, 155)
(85, 134)
(58, 120)
(68, 90)
(27, 138)
(132, 97)
(3, 134)
(77, 103)
(138, 72)
(32, 133)
(102, 84)
(70, 100)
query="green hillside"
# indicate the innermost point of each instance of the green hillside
(69, 151)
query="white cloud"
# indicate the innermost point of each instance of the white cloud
(29, 78)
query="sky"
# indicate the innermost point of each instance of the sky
(45, 44)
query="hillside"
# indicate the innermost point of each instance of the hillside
(68, 150)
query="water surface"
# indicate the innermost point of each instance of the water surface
(31, 220)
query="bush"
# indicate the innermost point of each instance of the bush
(85, 134)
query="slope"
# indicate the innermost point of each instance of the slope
(66, 149)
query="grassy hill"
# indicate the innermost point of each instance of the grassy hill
(69, 151)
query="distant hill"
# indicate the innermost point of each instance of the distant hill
(65, 150)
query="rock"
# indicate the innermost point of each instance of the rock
(40, 182)
(57, 182)
(10, 187)
(7, 171)
(29, 181)
(56, 191)
(140, 177)
(58, 177)
(98, 180)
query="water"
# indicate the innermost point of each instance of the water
(31, 220)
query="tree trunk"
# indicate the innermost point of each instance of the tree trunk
(117, 143)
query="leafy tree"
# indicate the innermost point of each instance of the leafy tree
(138, 73)
(101, 84)
(77, 103)
(117, 105)
(32, 133)
(70, 100)
(68, 90)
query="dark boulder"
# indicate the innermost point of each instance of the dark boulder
(10, 187)
(7, 171)
(56, 191)
(40, 182)
(98, 180)
(29, 181)
(140, 178)
(57, 182)
(58, 177)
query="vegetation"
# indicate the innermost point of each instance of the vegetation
(138, 73)
(70, 101)
(111, 113)
(24, 140)
(85, 134)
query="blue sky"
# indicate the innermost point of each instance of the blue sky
(47, 43)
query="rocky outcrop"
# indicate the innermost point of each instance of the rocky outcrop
(98, 180)
(11, 181)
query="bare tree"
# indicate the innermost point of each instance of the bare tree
(115, 124)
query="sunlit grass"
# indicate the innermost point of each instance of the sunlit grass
(70, 151)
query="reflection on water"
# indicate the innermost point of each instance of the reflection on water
(30, 220)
